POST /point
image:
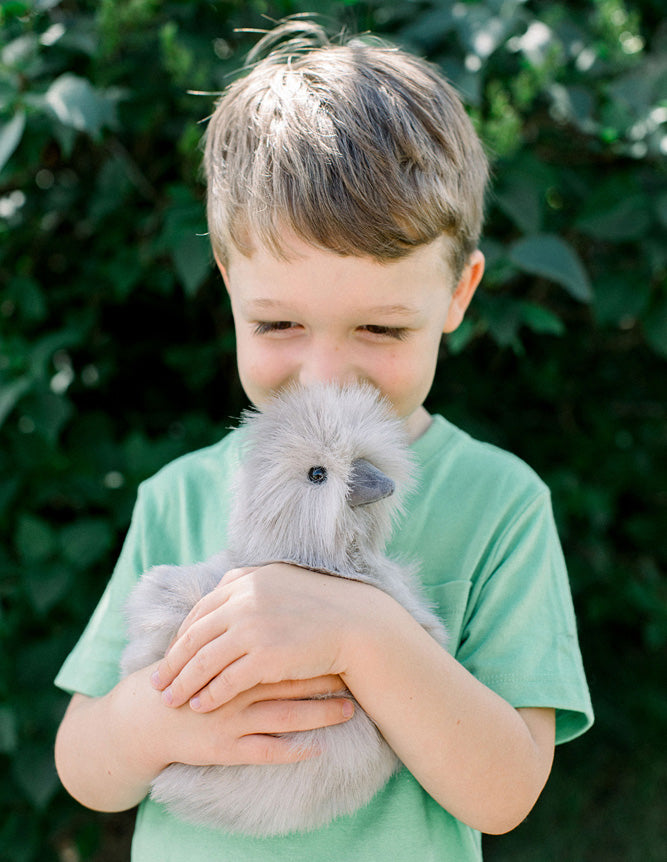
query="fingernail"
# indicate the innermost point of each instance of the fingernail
(155, 679)
(195, 703)
(348, 709)
(167, 696)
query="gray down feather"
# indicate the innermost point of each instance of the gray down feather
(323, 475)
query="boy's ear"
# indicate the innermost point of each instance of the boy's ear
(464, 291)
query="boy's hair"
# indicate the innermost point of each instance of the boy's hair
(358, 148)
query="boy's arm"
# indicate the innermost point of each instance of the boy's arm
(105, 758)
(480, 758)
(109, 749)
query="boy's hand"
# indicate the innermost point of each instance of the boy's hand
(243, 731)
(109, 749)
(260, 625)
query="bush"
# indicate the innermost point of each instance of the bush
(116, 349)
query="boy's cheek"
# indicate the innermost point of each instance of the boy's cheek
(260, 380)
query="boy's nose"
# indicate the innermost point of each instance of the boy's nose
(327, 364)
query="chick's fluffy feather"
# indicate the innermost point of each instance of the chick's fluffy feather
(280, 514)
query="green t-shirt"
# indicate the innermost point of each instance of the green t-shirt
(481, 527)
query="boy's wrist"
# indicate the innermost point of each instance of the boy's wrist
(138, 735)
(377, 619)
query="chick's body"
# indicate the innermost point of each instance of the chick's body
(322, 476)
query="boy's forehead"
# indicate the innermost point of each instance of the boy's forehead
(294, 254)
(327, 285)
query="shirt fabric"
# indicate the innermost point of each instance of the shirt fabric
(481, 528)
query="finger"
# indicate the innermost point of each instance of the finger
(206, 605)
(234, 574)
(212, 600)
(237, 676)
(297, 688)
(289, 716)
(245, 674)
(205, 667)
(195, 614)
(186, 647)
(260, 750)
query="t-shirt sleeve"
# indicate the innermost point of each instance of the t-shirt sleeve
(92, 668)
(178, 518)
(519, 634)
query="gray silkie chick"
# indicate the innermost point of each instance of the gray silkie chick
(321, 480)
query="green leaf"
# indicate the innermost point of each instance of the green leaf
(10, 394)
(574, 104)
(43, 349)
(551, 257)
(29, 297)
(661, 208)
(502, 316)
(643, 87)
(655, 328)
(10, 136)
(13, 9)
(462, 335)
(111, 187)
(50, 412)
(46, 585)
(520, 200)
(78, 105)
(8, 731)
(86, 541)
(628, 219)
(184, 237)
(192, 259)
(35, 772)
(20, 54)
(66, 137)
(35, 539)
(540, 319)
(8, 489)
(619, 299)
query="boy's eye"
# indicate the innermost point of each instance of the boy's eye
(273, 326)
(396, 332)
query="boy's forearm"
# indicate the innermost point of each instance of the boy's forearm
(107, 748)
(481, 759)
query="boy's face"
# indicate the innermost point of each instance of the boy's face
(319, 316)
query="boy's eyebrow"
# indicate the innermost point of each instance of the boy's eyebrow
(391, 309)
(265, 303)
(395, 308)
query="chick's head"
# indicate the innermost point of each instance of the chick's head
(324, 471)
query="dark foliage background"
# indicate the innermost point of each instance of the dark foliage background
(116, 346)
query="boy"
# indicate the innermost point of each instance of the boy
(345, 190)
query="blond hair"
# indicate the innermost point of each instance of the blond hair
(358, 148)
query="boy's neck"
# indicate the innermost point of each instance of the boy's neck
(417, 423)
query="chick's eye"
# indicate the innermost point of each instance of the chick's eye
(317, 475)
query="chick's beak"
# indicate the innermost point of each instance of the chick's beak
(368, 484)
